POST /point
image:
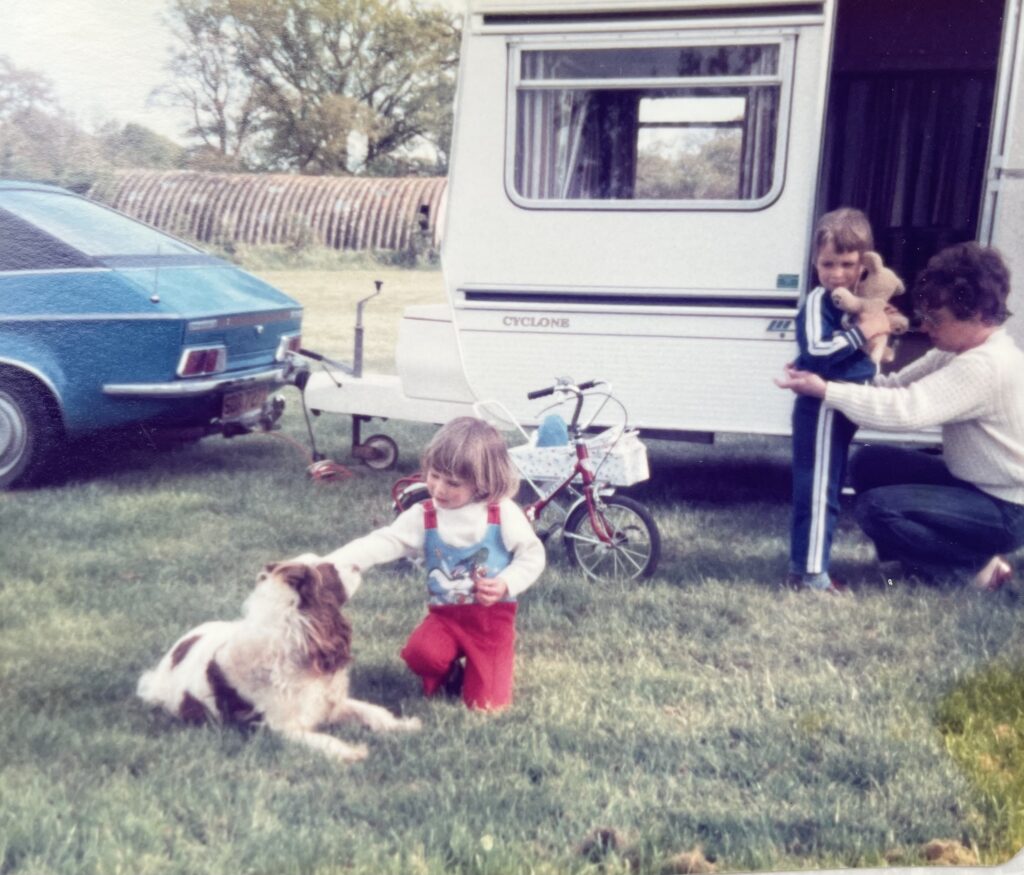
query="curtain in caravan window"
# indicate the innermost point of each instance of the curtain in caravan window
(757, 158)
(577, 144)
(550, 135)
(910, 150)
(607, 161)
(550, 140)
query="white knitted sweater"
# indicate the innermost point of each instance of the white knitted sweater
(976, 396)
(461, 527)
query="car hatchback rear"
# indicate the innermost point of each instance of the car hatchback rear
(106, 322)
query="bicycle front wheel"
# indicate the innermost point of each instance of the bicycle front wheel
(630, 549)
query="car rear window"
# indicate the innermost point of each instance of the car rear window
(24, 247)
(90, 227)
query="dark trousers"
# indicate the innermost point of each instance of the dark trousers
(916, 511)
(821, 441)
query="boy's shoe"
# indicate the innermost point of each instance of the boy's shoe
(994, 576)
(452, 683)
(831, 585)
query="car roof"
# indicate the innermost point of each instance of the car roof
(8, 184)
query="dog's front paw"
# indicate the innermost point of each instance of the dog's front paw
(409, 724)
(353, 753)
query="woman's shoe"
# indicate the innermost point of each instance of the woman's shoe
(994, 576)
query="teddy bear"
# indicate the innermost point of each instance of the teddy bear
(876, 286)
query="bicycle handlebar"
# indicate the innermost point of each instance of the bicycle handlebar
(576, 389)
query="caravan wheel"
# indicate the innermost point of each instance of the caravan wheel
(380, 452)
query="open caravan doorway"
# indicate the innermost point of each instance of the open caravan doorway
(908, 124)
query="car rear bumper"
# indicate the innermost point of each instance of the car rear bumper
(278, 375)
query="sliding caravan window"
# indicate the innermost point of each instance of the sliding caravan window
(679, 126)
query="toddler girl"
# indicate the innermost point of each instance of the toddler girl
(480, 553)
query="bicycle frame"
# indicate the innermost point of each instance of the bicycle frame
(534, 509)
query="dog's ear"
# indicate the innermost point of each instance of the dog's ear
(328, 630)
(330, 642)
(329, 577)
(300, 577)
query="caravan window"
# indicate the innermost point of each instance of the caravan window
(694, 124)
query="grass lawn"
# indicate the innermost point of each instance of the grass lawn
(706, 717)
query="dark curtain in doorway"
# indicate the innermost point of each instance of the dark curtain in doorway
(910, 150)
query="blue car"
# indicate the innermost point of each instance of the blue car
(107, 323)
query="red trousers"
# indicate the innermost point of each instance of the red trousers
(485, 636)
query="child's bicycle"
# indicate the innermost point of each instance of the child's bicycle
(608, 536)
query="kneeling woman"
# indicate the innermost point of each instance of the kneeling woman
(956, 514)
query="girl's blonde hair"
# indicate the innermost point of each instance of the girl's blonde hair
(473, 450)
(847, 229)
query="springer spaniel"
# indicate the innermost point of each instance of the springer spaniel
(283, 664)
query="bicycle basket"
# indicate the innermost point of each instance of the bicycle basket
(619, 459)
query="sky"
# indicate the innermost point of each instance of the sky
(104, 57)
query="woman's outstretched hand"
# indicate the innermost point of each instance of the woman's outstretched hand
(802, 382)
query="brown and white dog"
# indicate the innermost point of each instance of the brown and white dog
(283, 664)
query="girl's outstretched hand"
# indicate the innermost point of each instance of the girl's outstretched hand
(802, 382)
(489, 590)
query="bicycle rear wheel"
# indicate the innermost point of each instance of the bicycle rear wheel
(633, 543)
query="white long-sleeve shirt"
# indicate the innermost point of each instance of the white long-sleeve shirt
(976, 396)
(461, 527)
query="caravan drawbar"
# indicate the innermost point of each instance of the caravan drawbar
(633, 187)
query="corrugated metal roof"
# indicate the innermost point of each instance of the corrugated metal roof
(342, 212)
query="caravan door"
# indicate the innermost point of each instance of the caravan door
(631, 195)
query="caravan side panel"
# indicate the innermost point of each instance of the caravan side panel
(563, 259)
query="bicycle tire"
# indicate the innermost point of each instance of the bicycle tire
(635, 545)
(412, 494)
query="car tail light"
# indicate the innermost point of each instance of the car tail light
(288, 343)
(203, 360)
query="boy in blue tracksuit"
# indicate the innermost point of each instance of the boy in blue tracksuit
(831, 346)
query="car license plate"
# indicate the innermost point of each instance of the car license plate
(244, 401)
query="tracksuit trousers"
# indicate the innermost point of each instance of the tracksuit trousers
(821, 441)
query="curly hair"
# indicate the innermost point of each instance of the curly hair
(970, 279)
(473, 450)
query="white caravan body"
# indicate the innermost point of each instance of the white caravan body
(634, 185)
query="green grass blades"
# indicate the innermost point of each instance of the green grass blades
(982, 719)
(705, 718)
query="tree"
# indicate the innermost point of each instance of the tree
(208, 81)
(134, 145)
(22, 91)
(312, 78)
(37, 138)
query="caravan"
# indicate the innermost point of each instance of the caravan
(634, 184)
